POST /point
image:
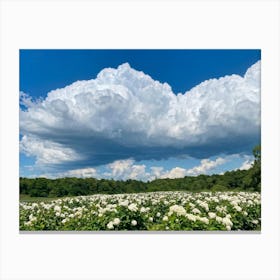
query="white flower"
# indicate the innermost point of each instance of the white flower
(158, 214)
(215, 199)
(204, 205)
(151, 219)
(110, 225)
(204, 220)
(196, 211)
(256, 201)
(228, 227)
(143, 210)
(212, 215)
(124, 203)
(179, 210)
(32, 218)
(132, 207)
(133, 222)
(255, 222)
(227, 222)
(191, 217)
(116, 221)
(57, 208)
(234, 203)
(222, 209)
(165, 218)
(237, 208)
(219, 219)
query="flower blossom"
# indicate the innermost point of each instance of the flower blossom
(179, 210)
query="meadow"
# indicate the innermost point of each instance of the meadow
(152, 211)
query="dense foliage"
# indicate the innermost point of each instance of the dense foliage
(146, 211)
(238, 180)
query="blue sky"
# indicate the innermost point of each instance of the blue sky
(139, 114)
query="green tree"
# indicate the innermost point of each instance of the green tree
(256, 169)
(219, 188)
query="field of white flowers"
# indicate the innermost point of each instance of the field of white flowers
(158, 211)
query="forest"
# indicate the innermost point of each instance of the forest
(237, 180)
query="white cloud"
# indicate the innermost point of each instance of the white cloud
(81, 173)
(88, 172)
(25, 99)
(129, 169)
(47, 152)
(125, 113)
(156, 172)
(247, 164)
(126, 169)
(176, 172)
(119, 167)
(205, 166)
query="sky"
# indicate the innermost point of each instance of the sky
(138, 114)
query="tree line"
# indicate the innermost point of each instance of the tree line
(237, 180)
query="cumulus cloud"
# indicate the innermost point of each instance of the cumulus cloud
(124, 113)
(205, 166)
(247, 164)
(117, 170)
(129, 169)
(126, 169)
(156, 172)
(176, 172)
(47, 152)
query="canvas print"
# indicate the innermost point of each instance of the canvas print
(140, 140)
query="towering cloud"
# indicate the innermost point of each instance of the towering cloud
(124, 113)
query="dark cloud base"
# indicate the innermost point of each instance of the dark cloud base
(106, 152)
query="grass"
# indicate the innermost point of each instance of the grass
(28, 198)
